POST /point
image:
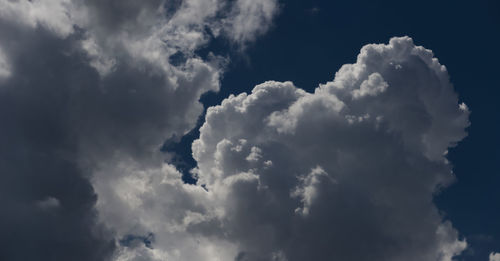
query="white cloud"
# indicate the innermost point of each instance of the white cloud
(372, 86)
(381, 158)
(249, 18)
(494, 256)
(307, 189)
(150, 32)
(55, 15)
(138, 201)
(4, 66)
(254, 154)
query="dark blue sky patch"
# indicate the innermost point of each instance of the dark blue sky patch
(134, 240)
(179, 150)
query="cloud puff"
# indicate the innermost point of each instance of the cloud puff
(355, 165)
(154, 201)
(494, 256)
(4, 66)
(290, 175)
(249, 18)
(89, 91)
(307, 189)
(374, 85)
(54, 15)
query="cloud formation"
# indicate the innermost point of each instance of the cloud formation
(355, 165)
(348, 172)
(91, 88)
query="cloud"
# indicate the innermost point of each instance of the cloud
(4, 66)
(290, 175)
(374, 85)
(91, 89)
(355, 165)
(89, 92)
(249, 19)
(494, 256)
(54, 15)
(307, 190)
(154, 200)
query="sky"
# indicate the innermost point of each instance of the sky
(249, 130)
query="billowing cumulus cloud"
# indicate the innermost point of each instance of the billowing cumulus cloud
(89, 91)
(355, 165)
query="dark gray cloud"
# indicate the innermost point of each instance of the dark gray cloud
(86, 91)
(47, 202)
